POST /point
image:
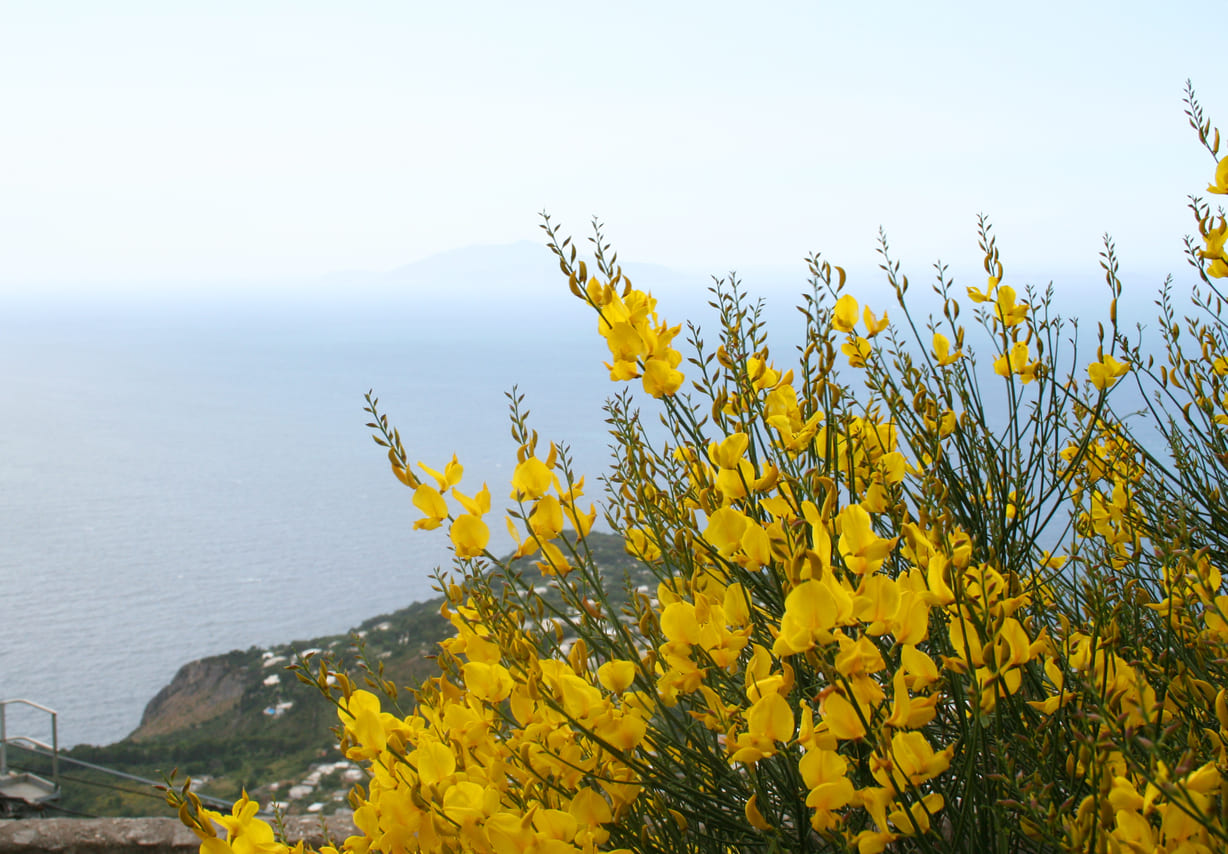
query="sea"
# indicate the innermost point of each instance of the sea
(187, 472)
(183, 477)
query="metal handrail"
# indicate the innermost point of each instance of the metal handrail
(218, 803)
(34, 745)
(54, 747)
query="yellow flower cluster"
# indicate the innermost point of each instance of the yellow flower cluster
(468, 532)
(1214, 234)
(532, 481)
(894, 615)
(245, 833)
(492, 761)
(639, 342)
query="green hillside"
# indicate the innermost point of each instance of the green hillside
(241, 720)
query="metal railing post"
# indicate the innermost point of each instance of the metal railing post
(54, 747)
(55, 751)
(4, 743)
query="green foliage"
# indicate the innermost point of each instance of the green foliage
(917, 587)
(241, 746)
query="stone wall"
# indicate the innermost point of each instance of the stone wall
(136, 835)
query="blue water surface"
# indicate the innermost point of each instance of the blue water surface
(182, 476)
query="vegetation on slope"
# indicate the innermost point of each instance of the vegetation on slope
(242, 721)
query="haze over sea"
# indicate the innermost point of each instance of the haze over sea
(185, 476)
(182, 476)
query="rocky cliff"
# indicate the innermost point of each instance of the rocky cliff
(241, 721)
(201, 690)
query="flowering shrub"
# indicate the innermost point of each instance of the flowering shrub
(903, 602)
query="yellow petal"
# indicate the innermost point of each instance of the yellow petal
(546, 520)
(589, 807)
(434, 762)
(488, 681)
(431, 503)
(616, 676)
(753, 815)
(531, 479)
(725, 529)
(661, 379)
(844, 315)
(841, 717)
(772, 718)
(1221, 178)
(469, 536)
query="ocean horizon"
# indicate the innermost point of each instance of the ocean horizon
(186, 475)
(185, 478)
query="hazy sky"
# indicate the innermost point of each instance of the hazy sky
(164, 141)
